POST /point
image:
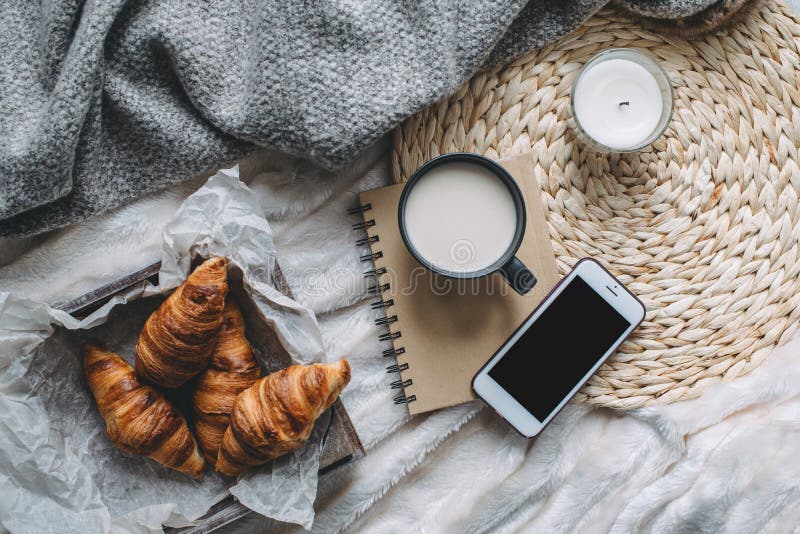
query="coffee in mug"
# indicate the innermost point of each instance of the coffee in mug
(460, 217)
(463, 216)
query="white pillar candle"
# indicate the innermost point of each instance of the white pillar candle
(621, 100)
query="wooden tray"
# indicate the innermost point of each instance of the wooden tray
(342, 445)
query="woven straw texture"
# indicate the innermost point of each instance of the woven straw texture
(702, 226)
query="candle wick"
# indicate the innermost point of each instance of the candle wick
(626, 103)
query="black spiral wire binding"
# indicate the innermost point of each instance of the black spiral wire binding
(367, 240)
(374, 272)
(397, 367)
(382, 304)
(397, 384)
(372, 257)
(394, 352)
(404, 399)
(388, 337)
(386, 320)
(364, 225)
(360, 209)
(379, 289)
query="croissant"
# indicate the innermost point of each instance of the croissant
(233, 368)
(275, 415)
(139, 419)
(177, 339)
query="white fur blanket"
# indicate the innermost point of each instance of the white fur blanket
(726, 462)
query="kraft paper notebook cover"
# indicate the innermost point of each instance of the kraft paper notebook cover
(442, 334)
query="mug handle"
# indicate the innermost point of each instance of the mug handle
(520, 278)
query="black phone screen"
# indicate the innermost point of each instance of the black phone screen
(559, 348)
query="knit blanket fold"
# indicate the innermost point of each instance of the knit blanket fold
(104, 101)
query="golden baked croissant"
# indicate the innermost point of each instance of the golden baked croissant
(232, 369)
(177, 339)
(139, 419)
(275, 415)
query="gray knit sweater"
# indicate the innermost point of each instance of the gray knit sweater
(103, 101)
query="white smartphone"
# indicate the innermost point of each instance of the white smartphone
(555, 351)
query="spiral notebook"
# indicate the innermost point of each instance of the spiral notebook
(441, 332)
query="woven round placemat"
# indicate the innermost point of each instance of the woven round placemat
(702, 226)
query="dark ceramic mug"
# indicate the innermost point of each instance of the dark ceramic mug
(519, 277)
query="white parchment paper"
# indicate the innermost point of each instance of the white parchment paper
(59, 471)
